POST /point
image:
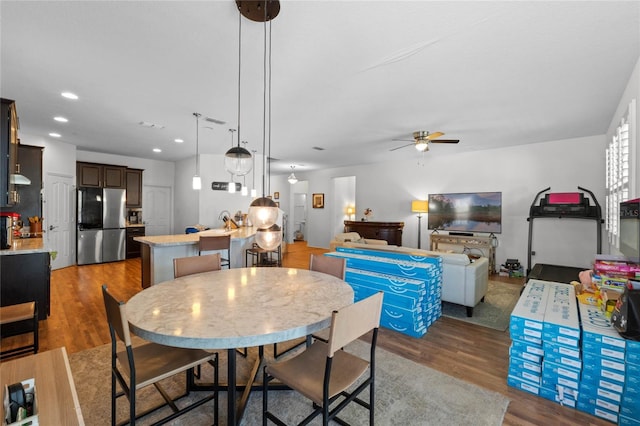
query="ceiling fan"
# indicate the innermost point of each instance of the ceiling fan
(422, 138)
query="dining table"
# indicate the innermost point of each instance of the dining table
(237, 308)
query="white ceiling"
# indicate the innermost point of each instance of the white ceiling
(348, 76)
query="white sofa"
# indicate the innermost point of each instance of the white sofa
(353, 237)
(464, 281)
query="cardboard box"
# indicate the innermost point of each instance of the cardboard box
(523, 385)
(598, 332)
(29, 389)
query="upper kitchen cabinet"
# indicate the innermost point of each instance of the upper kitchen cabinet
(101, 175)
(134, 187)
(8, 152)
(29, 196)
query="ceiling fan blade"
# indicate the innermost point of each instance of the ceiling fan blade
(403, 146)
(432, 136)
(445, 141)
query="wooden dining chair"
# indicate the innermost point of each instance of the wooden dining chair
(217, 242)
(137, 367)
(23, 317)
(335, 266)
(326, 373)
(195, 264)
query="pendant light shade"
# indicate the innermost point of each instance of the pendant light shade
(238, 161)
(263, 212)
(269, 238)
(292, 177)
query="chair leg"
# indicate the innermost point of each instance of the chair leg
(113, 399)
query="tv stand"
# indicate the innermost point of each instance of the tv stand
(484, 243)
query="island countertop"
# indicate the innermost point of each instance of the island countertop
(188, 239)
(25, 246)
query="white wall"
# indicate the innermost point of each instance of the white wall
(518, 172)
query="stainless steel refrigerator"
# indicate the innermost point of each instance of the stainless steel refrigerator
(101, 225)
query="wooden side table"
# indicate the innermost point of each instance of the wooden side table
(55, 391)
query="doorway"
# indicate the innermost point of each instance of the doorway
(59, 206)
(156, 213)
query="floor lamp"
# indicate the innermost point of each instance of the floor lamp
(419, 206)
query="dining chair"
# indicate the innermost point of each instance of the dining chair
(195, 264)
(325, 372)
(216, 242)
(147, 364)
(335, 266)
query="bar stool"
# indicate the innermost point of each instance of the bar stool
(262, 257)
(24, 312)
(221, 242)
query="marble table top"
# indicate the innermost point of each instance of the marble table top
(235, 308)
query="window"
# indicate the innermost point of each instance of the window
(618, 173)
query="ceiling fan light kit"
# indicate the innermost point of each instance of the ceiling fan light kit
(422, 139)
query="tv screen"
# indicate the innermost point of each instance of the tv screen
(630, 229)
(466, 212)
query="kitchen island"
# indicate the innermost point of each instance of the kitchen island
(25, 274)
(158, 251)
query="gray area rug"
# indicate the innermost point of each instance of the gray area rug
(494, 312)
(406, 394)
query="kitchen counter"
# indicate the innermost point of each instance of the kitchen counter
(25, 246)
(158, 251)
(135, 225)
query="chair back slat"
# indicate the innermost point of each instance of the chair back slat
(329, 265)
(116, 316)
(195, 264)
(353, 321)
(217, 242)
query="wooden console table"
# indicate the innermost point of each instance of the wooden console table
(389, 231)
(56, 396)
(487, 243)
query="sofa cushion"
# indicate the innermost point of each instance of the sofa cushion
(349, 236)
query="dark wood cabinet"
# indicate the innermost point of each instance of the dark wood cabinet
(101, 175)
(25, 278)
(29, 196)
(389, 231)
(134, 187)
(133, 247)
(8, 151)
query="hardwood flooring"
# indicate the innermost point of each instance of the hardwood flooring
(472, 353)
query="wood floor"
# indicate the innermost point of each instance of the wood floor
(472, 353)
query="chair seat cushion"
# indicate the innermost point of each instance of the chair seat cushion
(305, 372)
(20, 312)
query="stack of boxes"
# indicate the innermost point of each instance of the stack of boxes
(603, 378)
(412, 286)
(545, 353)
(630, 404)
(568, 352)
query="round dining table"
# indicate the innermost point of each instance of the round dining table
(237, 308)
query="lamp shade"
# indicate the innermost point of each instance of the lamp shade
(263, 212)
(238, 161)
(269, 238)
(420, 206)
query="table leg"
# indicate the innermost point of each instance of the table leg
(231, 387)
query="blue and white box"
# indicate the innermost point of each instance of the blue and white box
(524, 385)
(555, 374)
(561, 322)
(563, 355)
(525, 351)
(598, 335)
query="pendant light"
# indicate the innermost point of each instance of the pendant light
(292, 177)
(197, 181)
(237, 160)
(254, 191)
(263, 211)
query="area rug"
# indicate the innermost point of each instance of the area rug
(494, 312)
(406, 394)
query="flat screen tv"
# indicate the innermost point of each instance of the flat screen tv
(466, 212)
(630, 229)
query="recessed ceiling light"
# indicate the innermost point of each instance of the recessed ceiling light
(178, 140)
(69, 95)
(61, 119)
(157, 150)
(55, 135)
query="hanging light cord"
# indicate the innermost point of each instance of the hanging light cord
(269, 104)
(197, 138)
(264, 104)
(239, 68)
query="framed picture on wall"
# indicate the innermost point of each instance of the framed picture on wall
(276, 195)
(318, 201)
